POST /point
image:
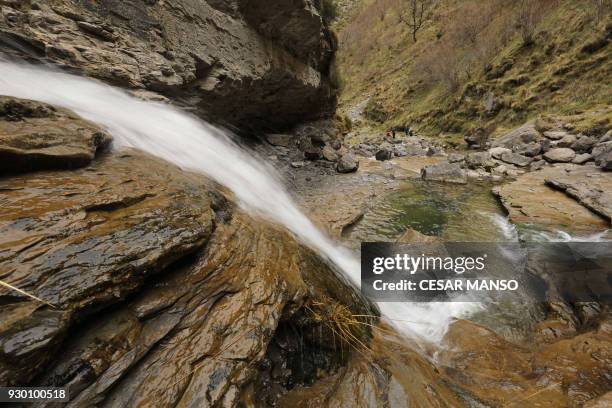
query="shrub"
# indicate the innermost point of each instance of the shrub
(329, 10)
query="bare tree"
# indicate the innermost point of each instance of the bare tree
(414, 13)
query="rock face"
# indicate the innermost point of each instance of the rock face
(233, 60)
(589, 186)
(35, 136)
(551, 207)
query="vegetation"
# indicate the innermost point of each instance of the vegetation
(477, 62)
(329, 10)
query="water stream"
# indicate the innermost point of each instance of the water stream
(192, 144)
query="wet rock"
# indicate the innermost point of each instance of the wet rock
(524, 134)
(560, 155)
(446, 172)
(497, 152)
(516, 159)
(347, 164)
(86, 239)
(589, 185)
(552, 207)
(602, 153)
(230, 60)
(36, 136)
(528, 149)
(582, 158)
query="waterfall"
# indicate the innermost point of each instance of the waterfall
(190, 143)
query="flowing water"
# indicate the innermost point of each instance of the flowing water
(192, 144)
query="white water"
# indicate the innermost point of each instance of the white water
(192, 144)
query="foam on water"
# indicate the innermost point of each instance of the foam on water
(192, 144)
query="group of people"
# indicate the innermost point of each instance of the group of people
(405, 129)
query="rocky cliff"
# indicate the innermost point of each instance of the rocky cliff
(249, 63)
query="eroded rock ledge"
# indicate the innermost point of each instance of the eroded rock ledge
(236, 61)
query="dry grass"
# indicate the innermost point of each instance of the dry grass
(529, 54)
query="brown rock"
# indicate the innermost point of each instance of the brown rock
(36, 136)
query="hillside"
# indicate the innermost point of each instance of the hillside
(490, 64)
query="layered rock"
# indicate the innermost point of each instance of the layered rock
(36, 136)
(231, 60)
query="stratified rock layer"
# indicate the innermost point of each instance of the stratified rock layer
(246, 62)
(36, 136)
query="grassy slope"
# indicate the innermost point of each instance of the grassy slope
(554, 76)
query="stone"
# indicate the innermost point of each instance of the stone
(313, 153)
(329, 154)
(582, 158)
(555, 134)
(455, 158)
(589, 185)
(445, 172)
(583, 144)
(384, 154)
(500, 170)
(602, 153)
(528, 149)
(298, 164)
(276, 139)
(496, 152)
(567, 141)
(516, 159)
(560, 155)
(526, 133)
(478, 159)
(347, 164)
(546, 145)
(530, 200)
(37, 136)
(537, 165)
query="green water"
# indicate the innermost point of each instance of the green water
(452, 212)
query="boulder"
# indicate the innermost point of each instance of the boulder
(537, 165)
(602, 153)
(567, 141)
(526, 133)
(446, 172)
(496, 152)
(478, 159)
(546, 145)
(560, 155)
(516, 159)
(556, 134)
(384, 154)
(282, 140)
(37, 136)
(329, 154)
(583, 144)
(455, 158)
(347, 164)
(582, 158)
(528, 149)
